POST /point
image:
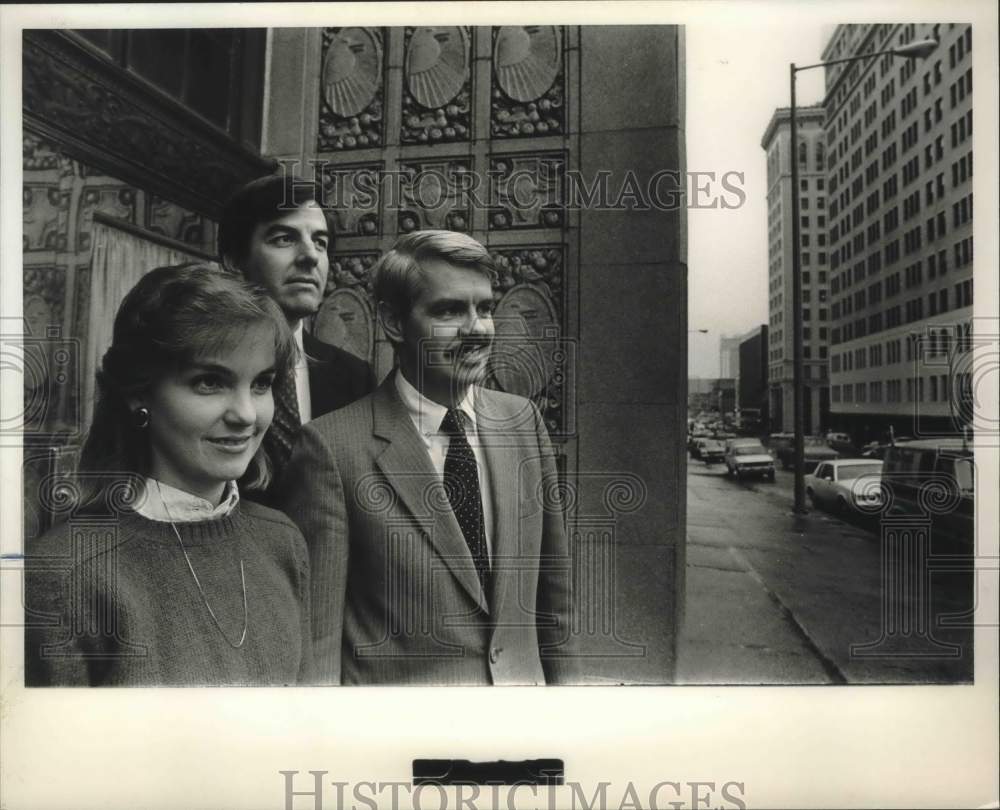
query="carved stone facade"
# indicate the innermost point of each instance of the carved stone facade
(437, 102)
(109, 119)
(432, 195)
(528, 82)
(403, 102)
(60, 197)
(354, 193)
(352, 89)
(527, 190)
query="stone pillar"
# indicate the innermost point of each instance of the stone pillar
(632, 378)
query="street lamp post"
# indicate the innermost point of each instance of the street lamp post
(915, 50)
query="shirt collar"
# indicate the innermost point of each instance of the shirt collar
(427, 414)
(170, 504)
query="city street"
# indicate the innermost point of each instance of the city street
(777, 598)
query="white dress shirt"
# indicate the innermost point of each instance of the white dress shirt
(168, 504)
(302, 378)
(427, 415)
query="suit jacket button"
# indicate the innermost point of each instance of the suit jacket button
(495, 654)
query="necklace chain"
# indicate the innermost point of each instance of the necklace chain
(204, 598)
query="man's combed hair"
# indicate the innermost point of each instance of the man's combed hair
(169, 319)
(397, 275)
(263, 200)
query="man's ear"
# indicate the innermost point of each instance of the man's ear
(134, 402)
(390, 321)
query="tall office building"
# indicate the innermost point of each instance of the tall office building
(899, 181)
(729, 356)
(815, 286)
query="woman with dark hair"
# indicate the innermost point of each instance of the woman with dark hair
(163, 575)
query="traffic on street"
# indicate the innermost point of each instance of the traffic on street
(858, 589)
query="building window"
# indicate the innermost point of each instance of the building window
(215, 72)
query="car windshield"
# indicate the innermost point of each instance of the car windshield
(815, 441)
(749, 449)
(848, 472)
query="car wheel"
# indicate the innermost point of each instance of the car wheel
(770, 475)
(739, 475)
(842, 506)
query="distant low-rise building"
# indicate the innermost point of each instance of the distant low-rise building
(712, 395)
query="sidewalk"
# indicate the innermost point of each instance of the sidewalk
(735, 629)
(777, 598)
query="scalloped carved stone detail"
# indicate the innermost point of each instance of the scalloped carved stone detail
(437, 98)
(525, 102)
(524, 274)
(351, 89)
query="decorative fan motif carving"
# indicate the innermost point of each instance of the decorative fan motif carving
(352, 71)
(528, 89)
(530, 355)
(351, 89)
(437, 65)
(526, 60)
(345, 320)
(436, 85)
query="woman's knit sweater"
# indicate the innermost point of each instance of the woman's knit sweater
(112, 602)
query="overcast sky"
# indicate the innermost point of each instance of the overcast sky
(736, 77)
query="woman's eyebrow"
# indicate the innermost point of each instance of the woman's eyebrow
(213, 368)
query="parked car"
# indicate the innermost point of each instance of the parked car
(776, 441)
(815, 450)
(748, 457)
(875, 450)
(846, 484)
(841, 442)
(934, 478)
(692, 444)
(711, 451)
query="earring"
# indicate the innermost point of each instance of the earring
(140, 417)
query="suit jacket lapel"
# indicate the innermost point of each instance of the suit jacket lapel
(407, 467)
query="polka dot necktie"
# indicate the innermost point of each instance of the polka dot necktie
(461, 482)
(285, 425)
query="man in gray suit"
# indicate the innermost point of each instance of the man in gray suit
(436, 540)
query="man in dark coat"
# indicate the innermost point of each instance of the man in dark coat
(277, 232)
